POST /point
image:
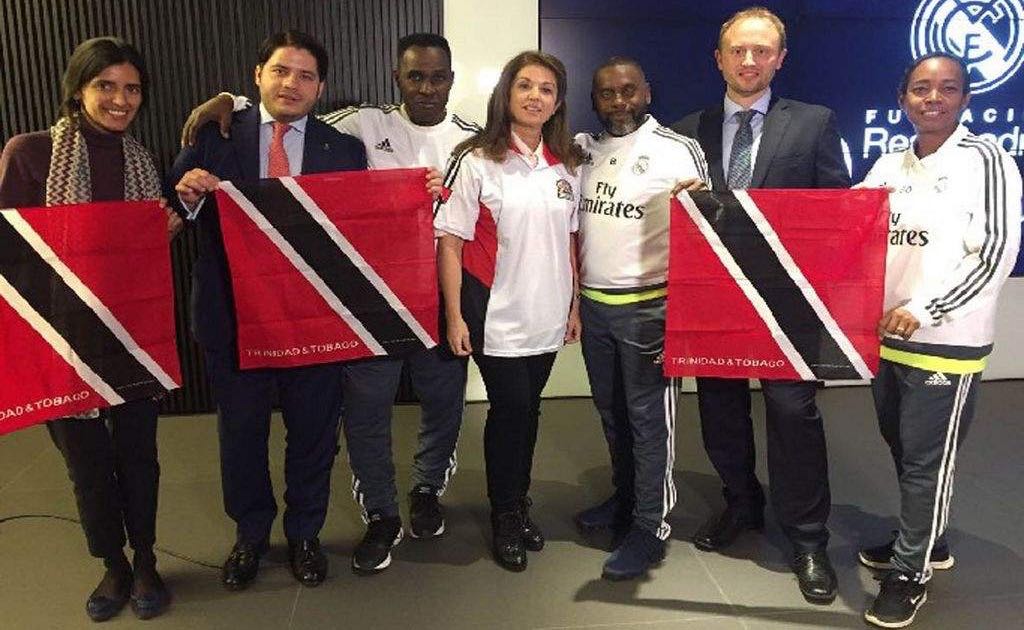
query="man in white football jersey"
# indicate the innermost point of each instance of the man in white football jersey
(418, 132)
(632, 170)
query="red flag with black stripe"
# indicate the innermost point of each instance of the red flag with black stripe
(781, 284)
(331, 267)
(86, 310)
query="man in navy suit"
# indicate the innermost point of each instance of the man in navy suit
(279, 138)
(756, 140)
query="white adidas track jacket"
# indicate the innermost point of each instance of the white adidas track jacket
(954, 232)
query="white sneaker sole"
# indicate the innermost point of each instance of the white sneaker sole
(896, 624)
(385, 563)
(413, 534)
(888, 566)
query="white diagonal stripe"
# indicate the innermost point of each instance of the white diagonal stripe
(357, 259)
(747, 287)
(57, 342)
(85, 294)
(803, 284)
(948, 491)
(302, 266)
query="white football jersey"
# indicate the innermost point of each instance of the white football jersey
(624, 213)
(393, 141)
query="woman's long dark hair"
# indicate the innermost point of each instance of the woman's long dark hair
(92, 57)
(495, 138)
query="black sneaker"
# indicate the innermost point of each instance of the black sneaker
(897, 602)
(614, 513)
(880, 557)
(640, 550)
(373, 553)
(426, 514)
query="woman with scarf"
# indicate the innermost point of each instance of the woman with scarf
(111, 455)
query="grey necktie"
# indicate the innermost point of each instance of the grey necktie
(742, 145)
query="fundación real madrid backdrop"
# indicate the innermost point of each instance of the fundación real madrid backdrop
(846, 54)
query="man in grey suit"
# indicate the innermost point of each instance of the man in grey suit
(753, 139)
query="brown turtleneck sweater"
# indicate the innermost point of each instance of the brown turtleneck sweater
(25, 164)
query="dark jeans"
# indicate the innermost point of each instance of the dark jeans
(513, 387)
(113, 467)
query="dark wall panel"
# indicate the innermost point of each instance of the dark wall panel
(194, 49)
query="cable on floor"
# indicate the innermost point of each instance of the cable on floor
(68, 519)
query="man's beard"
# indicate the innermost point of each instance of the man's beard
(627, 126)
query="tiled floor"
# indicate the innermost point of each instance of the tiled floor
(46, 574)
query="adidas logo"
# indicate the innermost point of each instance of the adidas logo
(384, 145)
(938, 379)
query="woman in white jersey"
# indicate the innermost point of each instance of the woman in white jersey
(953, 238)
(508, 274)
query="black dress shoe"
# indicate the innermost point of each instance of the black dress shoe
(721, 530)
(507, 544)
(816, 576)
(105, 602)
(309, 564)
(533, 538)
(242, 565)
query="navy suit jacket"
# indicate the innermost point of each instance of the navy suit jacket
(800, 147)
(237, 159)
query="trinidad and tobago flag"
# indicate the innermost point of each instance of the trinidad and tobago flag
(331, 267)
(86, 310)
(783, 284)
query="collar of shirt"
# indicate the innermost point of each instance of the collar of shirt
(297, 125)
(649, 125)
(533, 158)
(731, 108)
(911, 161)
(427, 129)
(294, 141)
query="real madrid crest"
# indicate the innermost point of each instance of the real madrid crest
(640, 166)
(987, 34)
(564, 189)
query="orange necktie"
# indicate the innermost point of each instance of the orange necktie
(277, 164)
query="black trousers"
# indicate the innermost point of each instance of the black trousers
(112, 463)
(797, 458)
(513, 387)
(310, 399)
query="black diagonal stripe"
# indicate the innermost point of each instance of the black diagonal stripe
(761, 265)
(51, 297)
(277, 204)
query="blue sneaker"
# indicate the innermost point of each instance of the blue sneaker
(640, 550)
(613, 513)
